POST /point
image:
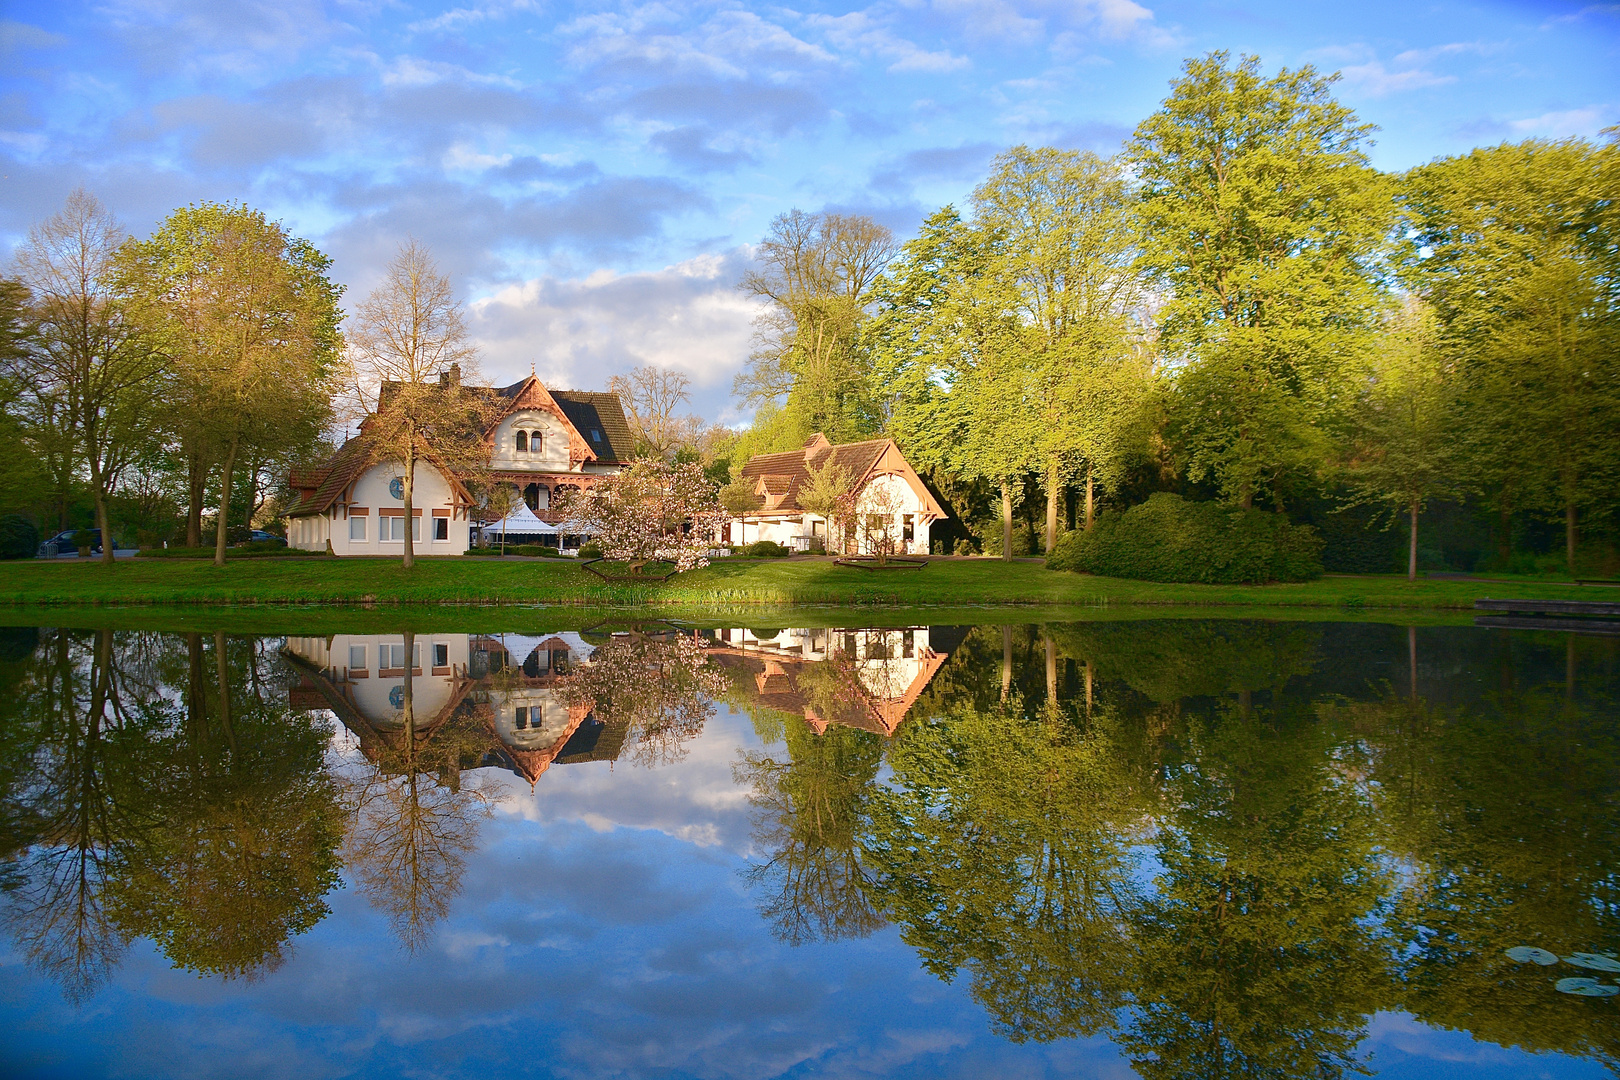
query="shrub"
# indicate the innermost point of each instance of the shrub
(1168, 538)
(590, 551)
(761, 549)
(18, 537)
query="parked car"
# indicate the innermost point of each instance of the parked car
(64, 542)
(259, 536)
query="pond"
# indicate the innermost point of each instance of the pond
(1173, 847)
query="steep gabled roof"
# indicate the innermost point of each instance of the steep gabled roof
(783, 476)
(332, 479)
(591, 412)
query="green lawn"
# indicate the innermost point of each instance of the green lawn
(954, 583)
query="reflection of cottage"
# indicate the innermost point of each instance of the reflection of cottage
(889, 497)
(541, 442)
(504, 696)
(866, 679)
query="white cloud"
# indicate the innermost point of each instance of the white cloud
(1375, 80)
(860, 33)
(577, 332)
(1566, 123)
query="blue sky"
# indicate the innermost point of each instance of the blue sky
(593, 175)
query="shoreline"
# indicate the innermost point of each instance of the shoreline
(468, 583)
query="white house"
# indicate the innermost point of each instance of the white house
(889, 496)
(539, 441)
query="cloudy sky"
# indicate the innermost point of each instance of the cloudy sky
(593, 175)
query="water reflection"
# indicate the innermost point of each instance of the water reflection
(1223, 845)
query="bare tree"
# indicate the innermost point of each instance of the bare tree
(409, 345)
(651, 395)
(818, 272)
(89, 359)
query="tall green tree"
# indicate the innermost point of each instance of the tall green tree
(1407, 446)
(1261, 220)
(95, 375)
(1514, 246)
(248, 320)
(1060, 228)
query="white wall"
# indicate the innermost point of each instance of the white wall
(901, 493)
(372, 693)
(430, 492)
(554, 454)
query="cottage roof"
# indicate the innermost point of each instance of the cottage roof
(784, 476)
(591, 412)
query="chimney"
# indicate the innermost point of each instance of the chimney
(455, 374)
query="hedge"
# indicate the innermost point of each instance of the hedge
(1168, 538)
(761, 549)
(18, 537)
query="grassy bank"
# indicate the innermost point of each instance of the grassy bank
(728, 583)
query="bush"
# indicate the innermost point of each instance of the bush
(261, 550)
(18, 537)
(761, 549)
(1168, 538)
(590, 551)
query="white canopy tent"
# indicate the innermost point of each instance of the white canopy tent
(520, 522)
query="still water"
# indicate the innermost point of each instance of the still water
(1167, 848)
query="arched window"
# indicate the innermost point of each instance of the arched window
(536, 442)
(523, 442)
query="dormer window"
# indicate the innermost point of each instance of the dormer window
(523, 442)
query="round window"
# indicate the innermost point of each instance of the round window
(396, 697)
(396, 487)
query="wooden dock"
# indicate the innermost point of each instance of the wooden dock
(1605, 627)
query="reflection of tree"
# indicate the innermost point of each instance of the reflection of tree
(1001, 847)
(211, 831)
(1255, 951)
(1510, 819)
(246, 847)
(78, 829)
(808, 813)
(661, 687)
(413, 824)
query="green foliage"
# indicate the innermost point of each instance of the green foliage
(260, 549)
(1168, 538)
(590, 551)
(761, 549)
(19, 539)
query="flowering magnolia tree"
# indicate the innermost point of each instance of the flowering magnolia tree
(662, 687)
(654, 511)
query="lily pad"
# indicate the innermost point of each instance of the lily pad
(1529, 954)
(1593, 961)
(1585, 988)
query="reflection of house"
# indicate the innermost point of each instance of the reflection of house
(502, 698)
(539, 441)
(889, 498)
(865, 679)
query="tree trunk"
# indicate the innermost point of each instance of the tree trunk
(410, 476)
(1570, 537)
(222, 672)
(1006, 521)
(196, 481)
(1006, 661)
(1051, 671)
(251, 495)
(1091, 497)
(1246, 495)
(104, 525)
(1411, 660)
(1411, 545)
(222, 523)
(1504, 539)
(1053, 490)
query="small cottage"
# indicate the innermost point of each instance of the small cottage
(890, 500)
